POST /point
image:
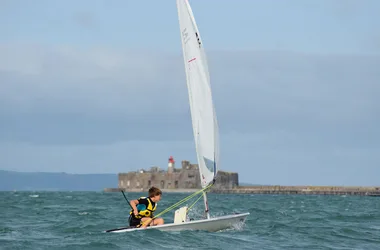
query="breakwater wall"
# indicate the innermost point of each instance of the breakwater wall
(142, 190)
(301, 190)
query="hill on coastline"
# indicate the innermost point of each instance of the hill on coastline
(45, 181)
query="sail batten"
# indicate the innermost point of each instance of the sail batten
(202, 109)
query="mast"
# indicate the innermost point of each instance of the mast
(207, 212)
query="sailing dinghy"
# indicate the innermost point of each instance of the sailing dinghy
(205, 129)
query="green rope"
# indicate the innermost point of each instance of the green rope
(180, 202)
(194, 203)
(183, 201)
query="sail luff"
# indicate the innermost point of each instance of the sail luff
(204, 121)
(183, 32)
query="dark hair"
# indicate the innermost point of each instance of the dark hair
(153, 191)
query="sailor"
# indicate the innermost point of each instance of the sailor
(143, 209)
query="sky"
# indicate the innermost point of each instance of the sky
(99, 87)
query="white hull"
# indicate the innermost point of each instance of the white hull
(211, 225)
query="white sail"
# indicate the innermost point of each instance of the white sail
(205, 127)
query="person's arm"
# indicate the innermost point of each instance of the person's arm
(133, 205)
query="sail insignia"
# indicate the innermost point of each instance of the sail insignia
(210, 164)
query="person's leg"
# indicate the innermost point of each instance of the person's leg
(133, 222)
(154, 222)
(158, 221)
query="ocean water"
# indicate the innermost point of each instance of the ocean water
(76, 220)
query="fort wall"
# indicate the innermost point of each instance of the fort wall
(187, 177)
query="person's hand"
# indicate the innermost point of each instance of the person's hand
(136, 212)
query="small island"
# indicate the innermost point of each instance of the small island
(186, 179)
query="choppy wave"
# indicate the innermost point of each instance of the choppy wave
(77, 220)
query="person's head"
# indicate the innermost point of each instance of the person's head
(155, 194)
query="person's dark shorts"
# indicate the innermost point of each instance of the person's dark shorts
(133, 221)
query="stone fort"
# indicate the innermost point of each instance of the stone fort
(186, 177)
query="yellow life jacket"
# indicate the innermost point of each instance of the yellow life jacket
(143, 210)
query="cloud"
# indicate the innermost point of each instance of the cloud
(143, 95)
(76, 93)
(284, 117)
(107, 79)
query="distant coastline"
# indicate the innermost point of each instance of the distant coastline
(276, 189)
(54, 181)
(60, 181)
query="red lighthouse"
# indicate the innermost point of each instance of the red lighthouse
(171, 164)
